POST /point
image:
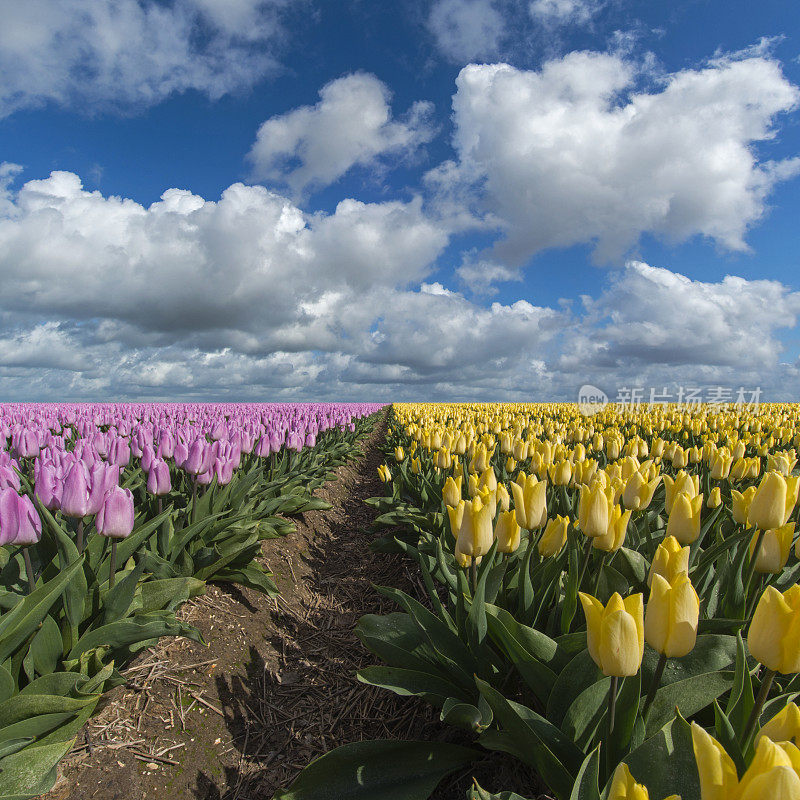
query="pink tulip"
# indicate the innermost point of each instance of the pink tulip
(158, 480)
(19, 522)
(115, 517)
(75, 495)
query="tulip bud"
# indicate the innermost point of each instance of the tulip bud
(75, 494)
(475, 535)
(784, 726)
(638, 492)
(669, 561)
(399, 455)
(614, 537)
(384, 474)
(158, 479)
(507, 532)
(456, 515)
(714, 498)
(740, 504)
(615, 634)
(115, 517)
(530, 501)
(624, 787)
(451, 493)
(671, 616)
(774, 635)
(554, 537)
(510, 464)
(594, 509)
(415, 466)
(19, 522)
(683, 482)
(774, 551)
(684, 519)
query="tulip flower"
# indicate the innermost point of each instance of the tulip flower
(638, 492)
(47, 487)
(714, 498)
(399, 455)
(560, 473)
(594, 509)
(615, 633)
(507, 532)
(475, 535)
(671, 616)
(774, 635)
(772, 774)
(684, 518)
(682, 483)
(9, 478)
(451, 493)
(530, 501)
(503, 497)
(784, 726)
(75, 494)
(614, 537)
(455, 514)
(20, 525)
(774, 550)
(669, 561)
(384, 474)
(510, 464)
(624, 787)
(740, 504)
(554, 537)
(773, 501)
(720, 465)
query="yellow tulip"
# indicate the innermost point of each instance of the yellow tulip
(638, 492)
(554, 536)
(503, 497)
(671, 615)
(772, 774)
(510, 464)
(399, 455)
(475, 536)
(714, 498)
(624, 787)
(681, 483)
(615, 634)
(530, 502)
(614, 537)
(488, 479)
(684, 519)
(774, 551)
(489, 499)
(384, 474)
(451, 493)
(721, 464)
(560, 473)
(784, 726)
(594, 509)
(774, 635)
(455, 513)
(740, 504)
(507, 532)
(768, 507)
(669, 561)
(415, 466)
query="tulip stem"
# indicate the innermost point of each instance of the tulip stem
(473, 574)
(160, 506)
(79, 537)
(749, 731)
(194, 499)
(612, 708)
(585, 560)
(654, 684)
(750, 571)
(29, 570)
(599, 574)
(112, 568)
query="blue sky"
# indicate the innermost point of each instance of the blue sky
(616, 205)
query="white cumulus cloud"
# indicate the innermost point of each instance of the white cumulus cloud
(467, 30)
(351, 125)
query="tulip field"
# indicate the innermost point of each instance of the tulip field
(608, 600)
(611, 600)
(112, 516)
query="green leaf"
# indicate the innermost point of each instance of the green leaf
(580, 673)
(19, 623)
(545, 747)
(586, 784)
(31, 771)
(689, 696)
(408, 682)
(378, 770)
(466, 715)
(45, 649)
(665, 763)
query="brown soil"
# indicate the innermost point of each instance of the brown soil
(275, 687)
